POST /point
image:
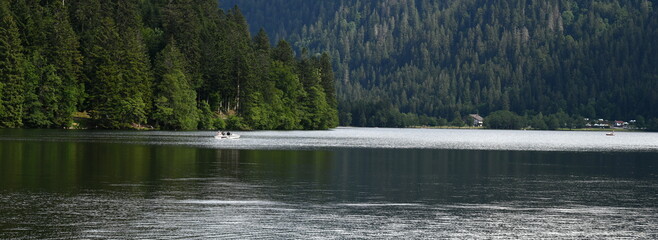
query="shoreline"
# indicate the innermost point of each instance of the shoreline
(531, 129)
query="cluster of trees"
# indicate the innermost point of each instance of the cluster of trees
(400, 61)
(172, 64)
(504, 119)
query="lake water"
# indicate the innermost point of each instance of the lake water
(342, 183)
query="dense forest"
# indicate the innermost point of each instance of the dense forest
(168, 64)
(407, 62)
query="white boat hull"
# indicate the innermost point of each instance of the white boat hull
(232, 136)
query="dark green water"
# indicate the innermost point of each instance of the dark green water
(153, 185)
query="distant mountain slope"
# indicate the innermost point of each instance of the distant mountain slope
(399, 59)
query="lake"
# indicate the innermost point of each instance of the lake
(343, 183)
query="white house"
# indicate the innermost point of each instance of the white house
(477, 120)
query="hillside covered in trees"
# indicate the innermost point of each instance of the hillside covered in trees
(406, 62)
(181, 64)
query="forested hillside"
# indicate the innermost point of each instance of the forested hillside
(181, 64)
(401, 62)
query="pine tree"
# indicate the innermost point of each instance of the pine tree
(175, 100)
(262, 63)
(117, 67)
(136, 67)
(214, 52)
(181, 21)
(262, 41)
(239, 81)
(329, 86)
(284, 53)
(109, 102)
(66, 59)
(33, 32)
(262, 101)
(41, 93)
(317, 110)
(291, 94)
(11, 70)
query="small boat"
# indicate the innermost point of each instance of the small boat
(226, 135)
(610, 133)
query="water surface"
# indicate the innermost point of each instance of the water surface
(344, 183)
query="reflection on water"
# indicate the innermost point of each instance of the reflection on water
(103, 188)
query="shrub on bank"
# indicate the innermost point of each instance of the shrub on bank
(504, 120)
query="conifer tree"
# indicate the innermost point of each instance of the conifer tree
(238, 82)
(262, 102)
(11, 70)
(262, 41)
(213, 49)
(291, 94)
(34, 116)
(328, 85)
(317, 114)
(262, 63)
(67, 61)
(284, 53)
(175, 100)
(109, 102)
(118, 67)
(136, 66)
(181, 21)
(41, 93)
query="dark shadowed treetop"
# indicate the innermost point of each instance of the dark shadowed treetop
(262, 41)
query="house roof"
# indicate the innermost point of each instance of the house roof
(476, 117)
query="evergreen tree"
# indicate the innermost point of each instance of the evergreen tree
(262, 64)
(64, 56)
(41, 95)
(262, 102)
(262, 41)
(327, 81)
(318, 115)
(11, 70)
(136, 66)
(214, 50)
(181, 21)
(175, 99)
(291, 93)
(118, 67)
(284, 53)
(239, 81)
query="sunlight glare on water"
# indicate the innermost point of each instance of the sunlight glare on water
(444, 139)
(344, 137)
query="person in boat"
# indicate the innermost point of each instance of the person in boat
(228, 134)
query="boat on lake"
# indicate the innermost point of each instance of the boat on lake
(226, 135)
(610, 133)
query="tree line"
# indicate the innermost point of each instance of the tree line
(171, 64)
(416, 62)
(504, 119)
